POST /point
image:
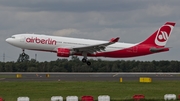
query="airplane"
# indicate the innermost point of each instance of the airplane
(66, 46)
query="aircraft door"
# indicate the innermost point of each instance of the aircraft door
(22, 38)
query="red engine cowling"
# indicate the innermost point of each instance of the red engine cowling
(63, 52)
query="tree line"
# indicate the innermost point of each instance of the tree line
(75, 65)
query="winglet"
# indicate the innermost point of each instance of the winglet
(114, 40)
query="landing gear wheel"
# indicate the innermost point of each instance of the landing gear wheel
(23, 54)
(88, 63)
(26, 57)
(84, 60)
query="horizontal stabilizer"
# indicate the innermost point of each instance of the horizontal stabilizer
(154, 49)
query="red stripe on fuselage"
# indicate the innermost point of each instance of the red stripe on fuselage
(134, 51)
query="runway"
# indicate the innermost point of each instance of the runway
(53, 76)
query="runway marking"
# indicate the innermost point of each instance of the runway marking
(115, 75)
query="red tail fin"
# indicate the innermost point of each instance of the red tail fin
(160, 37)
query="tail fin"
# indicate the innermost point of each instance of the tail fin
(160, 37)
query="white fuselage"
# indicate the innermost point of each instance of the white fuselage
(51, 43)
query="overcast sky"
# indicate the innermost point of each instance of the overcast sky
(131, 20)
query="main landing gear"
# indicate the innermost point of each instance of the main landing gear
(84, 60)
(23, 57)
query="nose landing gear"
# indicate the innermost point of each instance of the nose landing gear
(23, 57)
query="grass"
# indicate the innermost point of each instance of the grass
(43, 91)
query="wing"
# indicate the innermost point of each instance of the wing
(95, 48)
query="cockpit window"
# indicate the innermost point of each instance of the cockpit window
(13, 37)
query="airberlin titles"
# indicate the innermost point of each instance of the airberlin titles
(37, 40)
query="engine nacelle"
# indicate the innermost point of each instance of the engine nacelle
(63, 52)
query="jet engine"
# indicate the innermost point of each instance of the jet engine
(64, 52)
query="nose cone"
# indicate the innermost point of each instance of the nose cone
(13, 41)
(8, 40)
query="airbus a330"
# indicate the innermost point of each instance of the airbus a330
(66, 46)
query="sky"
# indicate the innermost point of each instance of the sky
(131, 20)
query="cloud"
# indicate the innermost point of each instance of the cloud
(159, 10)
(73, 6)
(65, 32)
